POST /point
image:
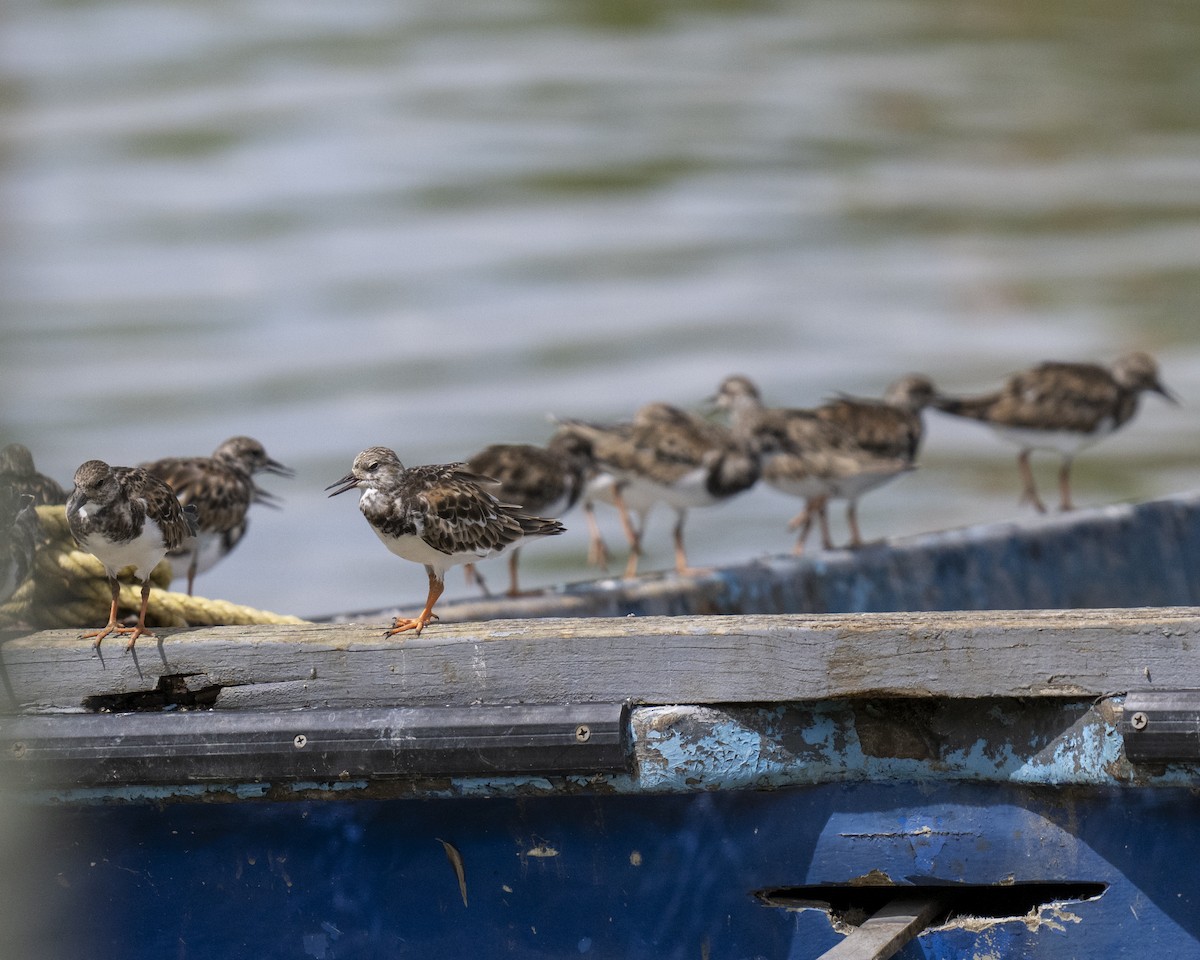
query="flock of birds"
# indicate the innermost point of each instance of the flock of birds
(193, 509)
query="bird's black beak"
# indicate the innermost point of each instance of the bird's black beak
(348, 482)
(277, 468)
(266, 498)
(1165, 393)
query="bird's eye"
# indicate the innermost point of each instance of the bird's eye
(372, 466)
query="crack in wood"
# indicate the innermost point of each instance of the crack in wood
(171, 692)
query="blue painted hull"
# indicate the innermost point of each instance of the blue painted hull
(629, 876)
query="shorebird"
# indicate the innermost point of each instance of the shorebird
(17, 473)
(806, 456)
(888, 427)
(438, 515)
(602, 444)
(221, 488)
(545, 481)
(19, 531)
(1064, 407)
(891, 428)
(125, 516)
(668, 455)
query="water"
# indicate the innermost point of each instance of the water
(429, 227)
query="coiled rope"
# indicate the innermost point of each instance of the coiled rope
(69, 588)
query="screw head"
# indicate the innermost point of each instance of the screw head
(1139, 721)
(300, 741)
(583, 733)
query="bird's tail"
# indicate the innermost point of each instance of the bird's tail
(976, 408)
(539, 526)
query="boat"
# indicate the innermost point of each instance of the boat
(690, 767)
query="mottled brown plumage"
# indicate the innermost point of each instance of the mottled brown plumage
(438, 515)
(668, 455)
(17, 473)
(126, 517)
(1063, 407)
(221, 488)
(19, 535)
(806, 455)
(891, 427)
(544, 481)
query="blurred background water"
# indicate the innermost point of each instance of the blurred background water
(429, 225)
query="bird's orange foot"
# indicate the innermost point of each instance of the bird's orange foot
(114, 628)
(103, 632)
(134, 633)
(416, 625)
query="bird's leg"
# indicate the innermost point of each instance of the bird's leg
(513, 589)
(436, 586)
(681, 564)
(1029, 489)
(472, 575)
(852, 520)
(822, 507)
(632, 534)
(140, 630)
(191, 574)
(597, 548)
(112, 617)
(1064, 485)
(802, 522)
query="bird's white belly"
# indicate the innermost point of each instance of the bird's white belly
(638, 497)
(1066, 442)
(142, 552)
(855, 485)
(411, 547)
(207, 548)
(800, 484)
(690, 490)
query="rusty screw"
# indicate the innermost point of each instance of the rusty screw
(583, 733)
(300, 741)
(1139, 721)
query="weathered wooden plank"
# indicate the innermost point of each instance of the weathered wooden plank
(663, 660)
(884, 933)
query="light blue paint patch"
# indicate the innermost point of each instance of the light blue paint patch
(1086, 756)
(141, 793)
(331, 786)
(821, 732)
(985, 760)
(711, 748)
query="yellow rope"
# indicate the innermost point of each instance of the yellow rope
(69, 588)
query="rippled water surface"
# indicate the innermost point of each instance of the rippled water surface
(429, 226)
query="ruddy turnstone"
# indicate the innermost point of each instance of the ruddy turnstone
(545, 481)
(221, 488)
(603, 444)
(668, 455)
(18, 473)
(126, 517)
(1064, 407)
(891, 428)
(805, 456)
(438, 515)
(19, 531)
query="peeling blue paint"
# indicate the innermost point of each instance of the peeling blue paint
(681, 749)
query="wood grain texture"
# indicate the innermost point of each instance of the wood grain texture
(657, 660)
